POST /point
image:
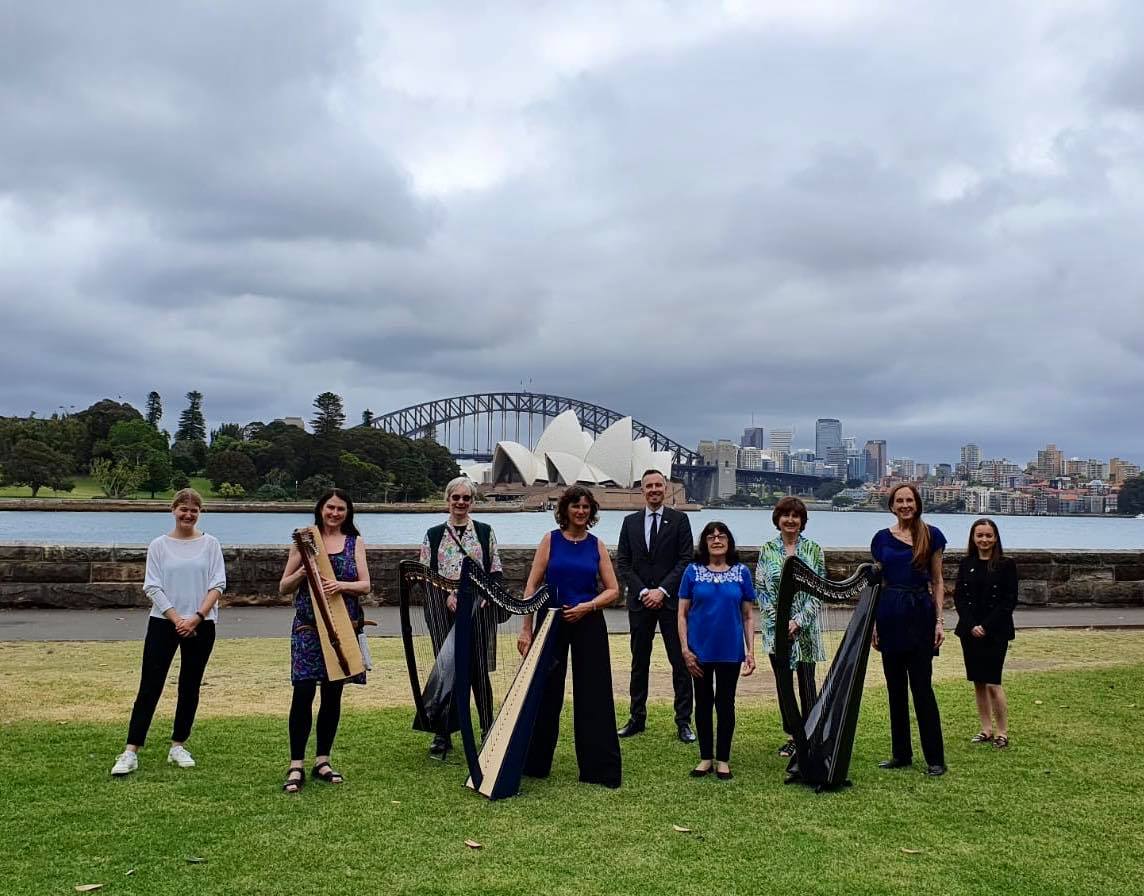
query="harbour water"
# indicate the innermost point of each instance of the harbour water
(830, 529)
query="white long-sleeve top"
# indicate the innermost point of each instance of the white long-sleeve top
(180, 572)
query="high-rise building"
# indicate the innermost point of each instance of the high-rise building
(855, 464)
(752, 438)
(970, 456)
(876, 458)
(1050, 462)
(1119, 470)
(836, 460)
(903, 467)
(780, 447)
(827, 435)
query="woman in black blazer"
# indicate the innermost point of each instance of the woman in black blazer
(985, 597)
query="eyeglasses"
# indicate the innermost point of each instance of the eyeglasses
(464, 499)
(716, 536)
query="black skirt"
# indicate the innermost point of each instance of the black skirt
(984, 658)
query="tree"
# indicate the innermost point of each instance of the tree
(1131, 497)
(154, 409)
(410, 478)
(233, 430)
(192, 425)
(34, 464)
(366, 481)
(232, 467)
(98, 420)
(159, 471)
(189, 457)
(314, 486)
(231, 490)
(117, 479)
(330, 415)
(133, 441)
(826, 490)
(366, 417)
(842, 501)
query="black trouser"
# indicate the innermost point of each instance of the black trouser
(912, 670)
(159, 648)
(593, 706)
(807, 691)
(301, 716)
(716, 690)
(642, 624)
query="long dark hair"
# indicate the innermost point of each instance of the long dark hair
(971, 551)
(919, 531)
(703, 554)
(348, 527)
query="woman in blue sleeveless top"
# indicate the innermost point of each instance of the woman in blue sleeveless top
(572, 562)
(909, 627)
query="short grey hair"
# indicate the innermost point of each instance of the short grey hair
(455, 484)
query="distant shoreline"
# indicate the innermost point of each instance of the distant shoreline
(144, 505)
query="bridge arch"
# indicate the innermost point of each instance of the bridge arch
(470, 422)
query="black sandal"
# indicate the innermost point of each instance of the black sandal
(325, 772)
(295, 778)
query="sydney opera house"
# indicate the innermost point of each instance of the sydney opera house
(566, 454)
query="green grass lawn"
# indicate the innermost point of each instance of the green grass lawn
(1058, 813)
(86, 488)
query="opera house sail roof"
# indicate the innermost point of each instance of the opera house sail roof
(565, 454)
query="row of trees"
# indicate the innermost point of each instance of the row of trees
(126, 451)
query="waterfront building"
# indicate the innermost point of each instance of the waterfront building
(976, 499)
(903, 468)
(943, 473)
(781, 440)
(753, 438)
(876, 456)
(1050, 462)
(1119, 470)
(827, 435)
(970, 457)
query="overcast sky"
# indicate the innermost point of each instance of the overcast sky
(924, 220)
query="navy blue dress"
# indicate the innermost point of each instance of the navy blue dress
(906, 613)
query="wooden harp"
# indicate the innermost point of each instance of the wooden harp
(340, 651)
(824, 733)
(495, 771)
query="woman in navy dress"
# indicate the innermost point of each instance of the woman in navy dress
(985, 597)
(909, 627)
(334, 516)
(572, 562)
(717, 631)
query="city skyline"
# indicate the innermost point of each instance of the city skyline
(914, 218)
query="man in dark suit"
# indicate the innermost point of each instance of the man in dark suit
(654, 549)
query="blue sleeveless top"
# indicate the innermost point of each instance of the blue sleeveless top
(573, 568)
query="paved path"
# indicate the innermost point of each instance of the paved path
(274, 622)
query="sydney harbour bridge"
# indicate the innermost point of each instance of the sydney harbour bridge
(471, 425)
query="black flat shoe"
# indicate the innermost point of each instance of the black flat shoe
(724, 776)
(631, 728)
(935, 771)
(701, 772)
(895, 763)
(686, 735)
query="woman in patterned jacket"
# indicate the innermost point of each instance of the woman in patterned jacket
(806, 648)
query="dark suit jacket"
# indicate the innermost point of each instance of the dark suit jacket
(673, 551)
(986, 597)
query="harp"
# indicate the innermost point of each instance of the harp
(495, 771)
(429, 641)
(825, 740)
(340, 651)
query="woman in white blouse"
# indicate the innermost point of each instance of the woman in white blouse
(185, 578)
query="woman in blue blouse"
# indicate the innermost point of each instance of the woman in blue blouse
(717, 629)
(572, 562)
(909, 627)
(804, 630)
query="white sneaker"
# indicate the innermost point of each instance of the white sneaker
(125, 763)
(180, 757)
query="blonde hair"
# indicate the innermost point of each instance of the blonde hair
(187, 496)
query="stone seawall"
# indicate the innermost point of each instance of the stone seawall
(82, 576)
